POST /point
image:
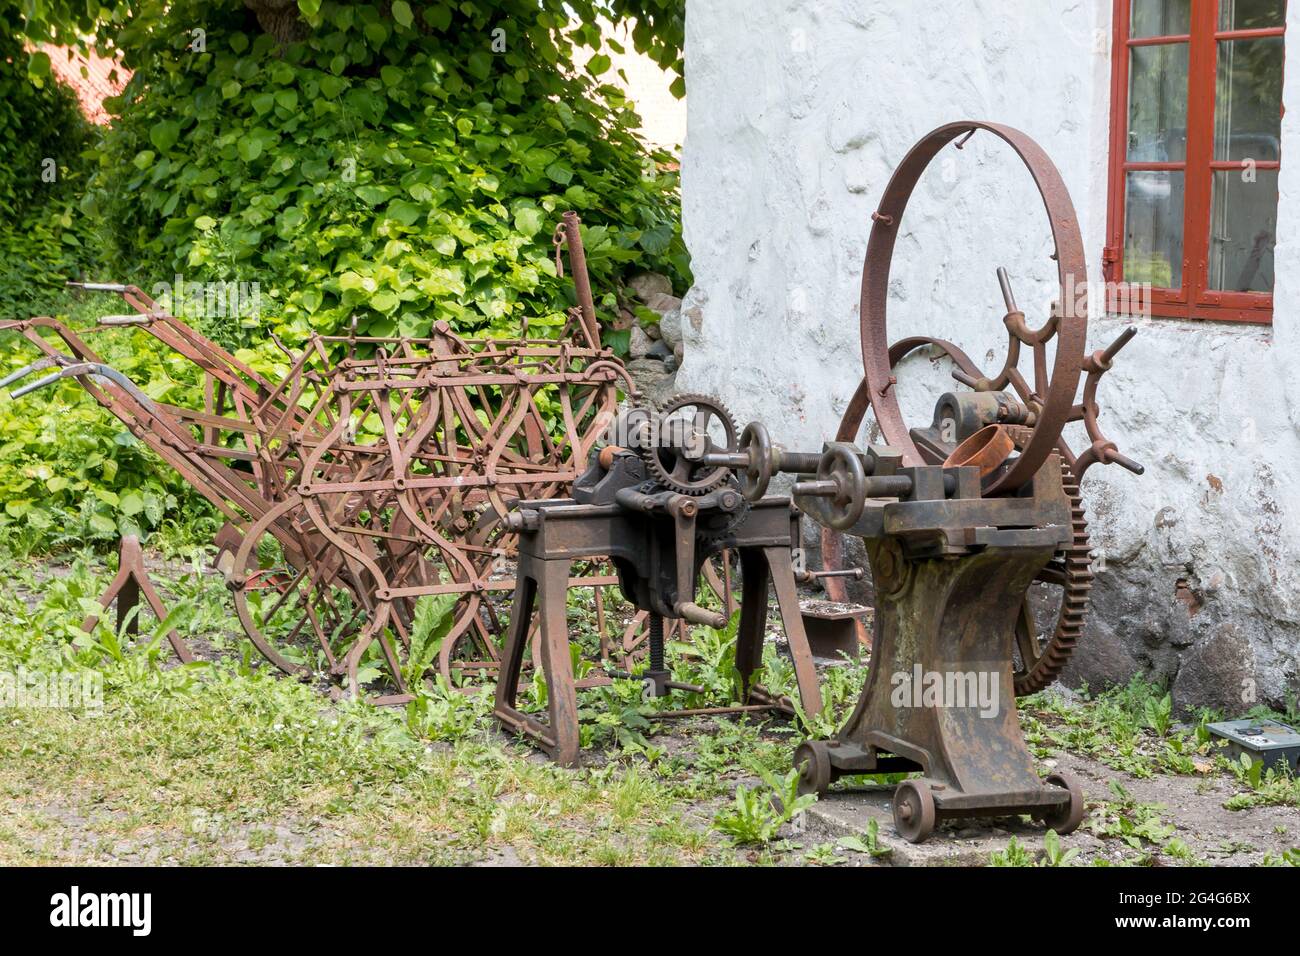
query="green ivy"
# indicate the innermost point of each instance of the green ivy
(401, 169)
(42, 239)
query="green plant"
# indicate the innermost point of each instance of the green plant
(1124, 818)
(400, 170)
(445, 713)
(42, 171)
(1180, 851)
(1271, 787)
(1159, 714)
(824, 854)
(1053, 855)
(1015, 854)
(868, 843)
(433, 618)
(757, 815)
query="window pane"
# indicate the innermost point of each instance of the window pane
(1248, 99)
(1160, 18)
(1243, 228)
(1157, 103)
(1153, 228)
(1251, 14)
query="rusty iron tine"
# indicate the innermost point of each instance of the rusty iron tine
(133, 319)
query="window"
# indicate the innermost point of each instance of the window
(1196, 119)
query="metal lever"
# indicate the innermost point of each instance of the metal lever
(95, 370)
(1004, 280)
(37, 366)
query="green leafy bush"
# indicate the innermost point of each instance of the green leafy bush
(402, 169)
(42, 238)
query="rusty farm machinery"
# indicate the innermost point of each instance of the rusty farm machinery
(958, 518)
(380, 472)
(371, 475)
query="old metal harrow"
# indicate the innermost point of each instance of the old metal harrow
(370, 477)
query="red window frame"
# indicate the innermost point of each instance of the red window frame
(1194, 300)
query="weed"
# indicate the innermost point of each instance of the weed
(1014, 855)
(868, 843)
(757, 815)
(1126, 819)
(1053, 855)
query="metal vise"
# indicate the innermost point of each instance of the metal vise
(658, 511)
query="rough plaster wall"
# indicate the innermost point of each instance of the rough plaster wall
(798, 111)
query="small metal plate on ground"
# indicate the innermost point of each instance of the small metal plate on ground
(832, 628)
(1274, 743)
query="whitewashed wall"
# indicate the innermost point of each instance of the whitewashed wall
(799, 110)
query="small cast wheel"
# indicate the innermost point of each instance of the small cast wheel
(1066, 818)
(814, 765)
(757, 444)
(914, 811)
(840, 465)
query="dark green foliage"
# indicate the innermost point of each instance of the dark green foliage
(403, 169)
(42, 239)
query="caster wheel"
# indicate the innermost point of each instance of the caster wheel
(1065, 819)
(814, 765)
(914, 811)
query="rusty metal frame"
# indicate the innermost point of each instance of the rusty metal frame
(378, 467)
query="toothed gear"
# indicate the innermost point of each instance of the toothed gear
(715, 528)
(674, 470)
(1036, 667)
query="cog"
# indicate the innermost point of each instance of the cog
(677, 467)
(713, 530)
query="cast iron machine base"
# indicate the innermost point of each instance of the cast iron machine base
(658, 525)
(951, 573)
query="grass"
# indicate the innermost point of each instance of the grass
(224, 761)
(227, 762)
(206, 765)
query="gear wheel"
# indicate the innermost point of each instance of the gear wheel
(674, 466)
(715, 528)
(1036, 667)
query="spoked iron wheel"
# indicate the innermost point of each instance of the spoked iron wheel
(297, 612)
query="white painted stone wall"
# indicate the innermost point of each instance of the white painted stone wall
(799, 110)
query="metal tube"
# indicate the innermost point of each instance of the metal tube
(581, 281)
